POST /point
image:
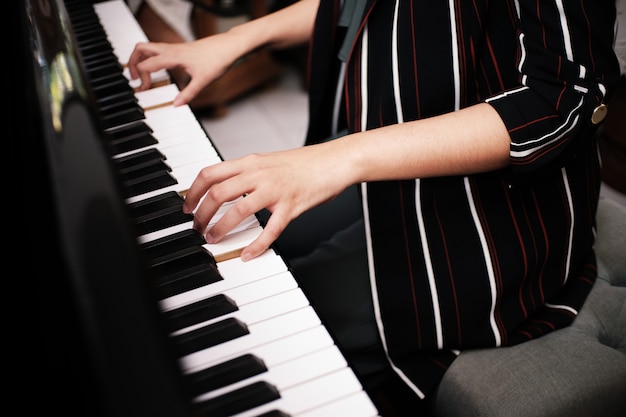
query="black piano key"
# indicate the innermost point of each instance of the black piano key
(239, 400)
(138, 128)
(197, 266)
(149, 182)
(130, 137)
(120, 97)
(182, 281)
(274, 413)
(199, 311)
(180, 255)
(111, 88)
(119, 108)
(138, 163)
(131, 142)
(98, 58)
(123, 116)
(226, 373)
(98, 47)
(95, 72)
(172, 243)
(187, 279)
(145, 168)
(210, 335)
(114, 105)
(184, 271)
(79, 11)
(111, 78)
(97, 75)
(159, 212)
(90, 35)
(83, 18)
(86, 29)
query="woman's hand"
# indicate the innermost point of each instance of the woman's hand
(204, 60)
(286, 183)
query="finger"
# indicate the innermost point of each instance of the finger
(236, 213)
(135, 57)
(188, 92)
(136, 64)
(274, 227)
(198, 189)
(146, 80)
(208, 177)
(205, 212)
(150, 64)
(228, 191)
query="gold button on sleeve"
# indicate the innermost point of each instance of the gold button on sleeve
(599, 113)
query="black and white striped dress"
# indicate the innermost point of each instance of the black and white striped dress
(492, 259)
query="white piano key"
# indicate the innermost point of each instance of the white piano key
(275, 352)
(265, 288)
(192, 146)
(184, 154)
(177, 126)
(156, 78)
(157, 96)
(123, 30)
(237, 239)
(234, 241)
(249, 222)
(168, 115)
(260, 333)
(267, 265)
(292, 373)
(191, 168)
(191, 151)
(149, 237)
(258, 285)
(354, 405)
(182, 185)
(281, 296)
(181, 139)
(313, 394)
(242, 288)
(181, 135)
(184, 176)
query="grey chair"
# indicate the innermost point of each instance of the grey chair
(576, 371)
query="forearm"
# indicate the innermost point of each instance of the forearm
(287, 27)
(468, 141)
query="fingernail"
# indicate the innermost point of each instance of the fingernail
(245, 256)
(209, 238)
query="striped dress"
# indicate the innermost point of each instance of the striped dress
(492, 259)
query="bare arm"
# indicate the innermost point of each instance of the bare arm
(285, 28)
(290, 182)
(464, 142)
(206, 59)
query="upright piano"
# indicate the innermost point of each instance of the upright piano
(135, 315)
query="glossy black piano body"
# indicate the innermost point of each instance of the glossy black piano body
(102, 348)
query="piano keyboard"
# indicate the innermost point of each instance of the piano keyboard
(246, 336)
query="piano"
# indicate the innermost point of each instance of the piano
(135, 315)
